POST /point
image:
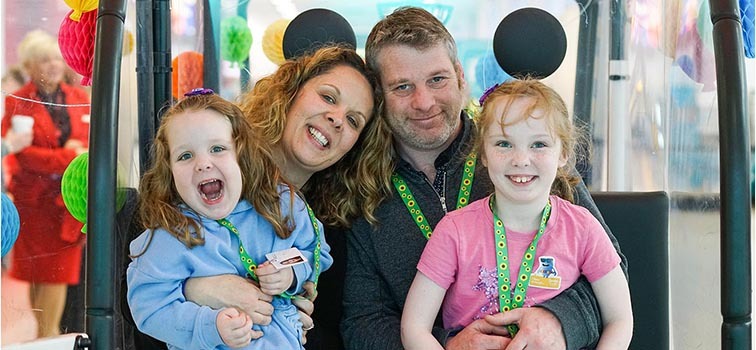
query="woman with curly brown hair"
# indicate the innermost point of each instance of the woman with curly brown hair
(335, 166)
(316, 114)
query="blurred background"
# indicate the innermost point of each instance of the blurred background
(665, 118)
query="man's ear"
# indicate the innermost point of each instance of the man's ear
(461, 75)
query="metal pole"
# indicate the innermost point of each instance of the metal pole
(101, 198)
(145, 82)
(734, 156)
(161, 22)
(211, 44)
(586, 55)
(241, 11)
(619, 91)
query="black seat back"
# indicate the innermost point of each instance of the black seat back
(640, 221)
(128, 229)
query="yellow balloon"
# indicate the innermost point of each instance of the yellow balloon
(128, 43)
(272, 41)
(80, 6)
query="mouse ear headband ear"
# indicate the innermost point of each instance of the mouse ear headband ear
(528, 42)
(316, 28)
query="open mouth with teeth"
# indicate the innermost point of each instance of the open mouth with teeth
(211, 190)
(320, 138)
(521, 179)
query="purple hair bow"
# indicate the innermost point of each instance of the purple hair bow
(486, 93)
(199, 91)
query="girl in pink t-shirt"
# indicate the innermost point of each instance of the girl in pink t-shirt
(522, 245)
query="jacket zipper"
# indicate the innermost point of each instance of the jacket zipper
(441, 196)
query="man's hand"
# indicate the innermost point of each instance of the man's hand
(539, 328)
(222, 291)
(479, 335)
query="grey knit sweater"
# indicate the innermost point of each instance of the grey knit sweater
(382, 261)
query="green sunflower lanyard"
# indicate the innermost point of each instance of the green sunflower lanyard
(509, 300)
(249, 262)
(414, 209)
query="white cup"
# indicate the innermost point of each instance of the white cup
(22, 123)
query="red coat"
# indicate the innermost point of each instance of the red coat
(49, 244)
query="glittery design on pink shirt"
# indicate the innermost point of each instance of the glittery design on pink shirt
(488, 283)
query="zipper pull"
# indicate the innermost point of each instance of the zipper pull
(443, 204)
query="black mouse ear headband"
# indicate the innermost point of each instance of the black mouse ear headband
(315, 28)
(528, 42)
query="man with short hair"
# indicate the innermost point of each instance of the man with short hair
(424, 92)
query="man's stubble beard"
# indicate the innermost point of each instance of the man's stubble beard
(418, 139)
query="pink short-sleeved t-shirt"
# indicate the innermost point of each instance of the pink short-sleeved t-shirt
(461, 257)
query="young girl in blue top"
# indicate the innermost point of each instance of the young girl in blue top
(213, 203)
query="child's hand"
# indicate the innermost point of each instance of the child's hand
(273, 281)
(234, 327)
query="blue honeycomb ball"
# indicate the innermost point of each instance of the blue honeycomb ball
(10, 224)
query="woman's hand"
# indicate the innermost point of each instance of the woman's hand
(234, 327)
(15, 142)
(274, 281)
(236, 291)
(75, 145)
(305, 306)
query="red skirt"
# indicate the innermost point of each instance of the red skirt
(49, 244)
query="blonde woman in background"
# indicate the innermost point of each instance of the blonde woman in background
(48, 251)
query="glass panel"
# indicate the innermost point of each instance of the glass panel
(19, 318)
(670, 141)
(665, 114)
